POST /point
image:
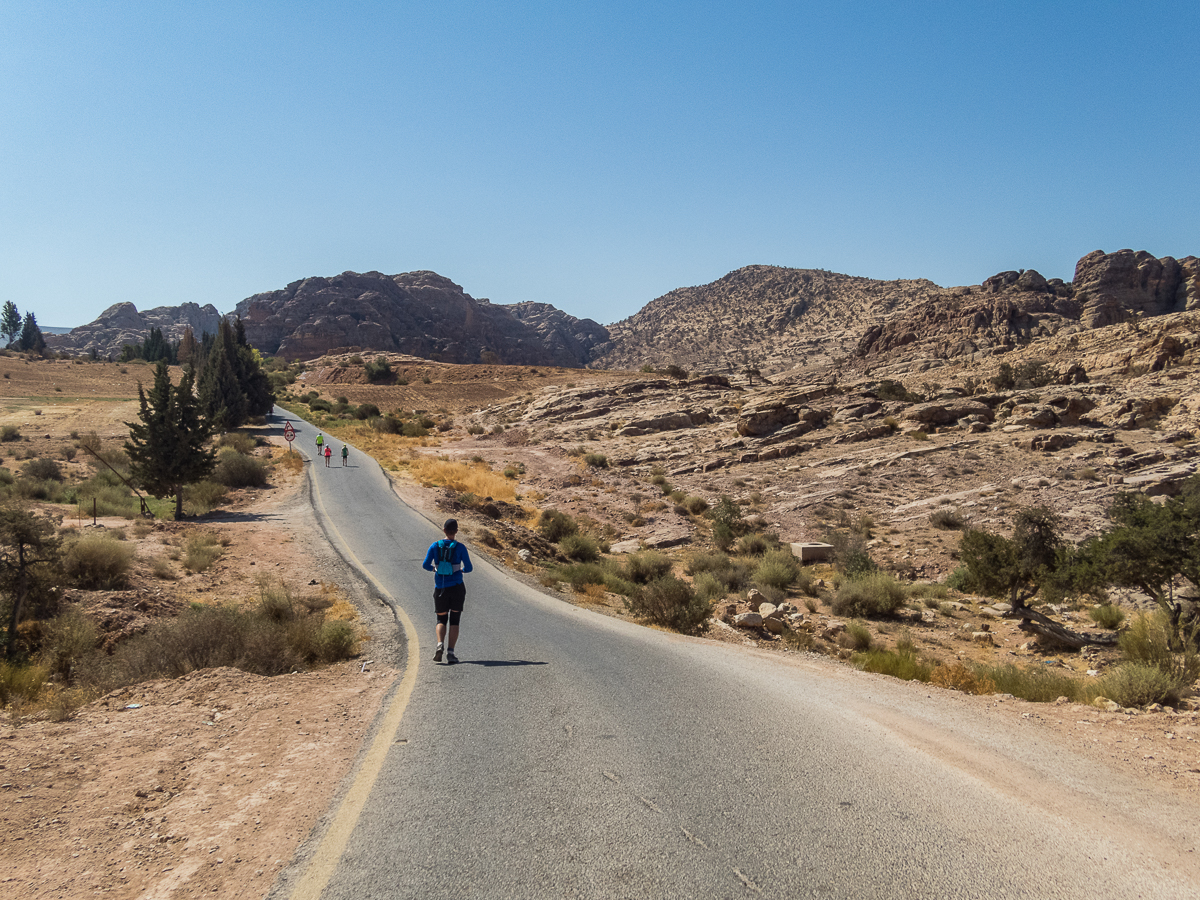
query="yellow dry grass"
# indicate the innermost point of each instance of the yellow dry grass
(474, 478)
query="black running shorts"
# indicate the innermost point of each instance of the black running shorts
(448, 598)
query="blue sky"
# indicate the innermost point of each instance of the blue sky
(591, 155)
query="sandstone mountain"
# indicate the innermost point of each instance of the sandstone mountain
(122, 324)
(416, 313)
(780, 320)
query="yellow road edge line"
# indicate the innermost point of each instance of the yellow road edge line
(324, 860)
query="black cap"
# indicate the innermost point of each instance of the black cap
(451, 526)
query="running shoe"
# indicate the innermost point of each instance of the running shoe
(437, 654)
(451, 659)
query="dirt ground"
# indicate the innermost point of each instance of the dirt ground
(207, 785)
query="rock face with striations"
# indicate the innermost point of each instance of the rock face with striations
(122, 324)
(1116, 286)
(417, 313)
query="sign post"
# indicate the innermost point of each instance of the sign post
(289, 434)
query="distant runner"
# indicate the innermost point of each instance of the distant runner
(320, 442)
(328, 453)
(451, 560)
(345, 453)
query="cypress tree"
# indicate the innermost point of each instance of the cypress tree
(10, 321)
(167, 447)
(31, 335)
(222, 399)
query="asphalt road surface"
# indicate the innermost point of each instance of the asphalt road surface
(573, 755)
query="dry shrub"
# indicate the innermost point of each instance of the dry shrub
(958, 677)
(1140, 684)
(869, 596)
(236, 470)
(292, 463)
(203, 497)
(99, 562)
(670, 602)
(160, 567)
(465, 478)
(857, 636)
(202, 551)
(646, 565)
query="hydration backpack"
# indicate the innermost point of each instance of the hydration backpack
(445, 557)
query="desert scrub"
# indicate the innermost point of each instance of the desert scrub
(596, 460)
(946, 519)
(1107, 615)
(779, 569)
(209, 636)
(236, 470)
(868, 596)
(671, 602)
(555, 525)
(203, 497)
(1038, 685)
(733, 573)
(1134, 684)
(1150, 639)
(957, 677)
(98, 562)
(857, 636)
(646, 565)
(752, 545)
(694, 505)
(202, 551)
(42, 470)
(580, 547)
(708, 588)
(902, 663)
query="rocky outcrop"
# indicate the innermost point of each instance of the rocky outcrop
(122, 324)
(580, 339)
(1117, 286)
(417, 313)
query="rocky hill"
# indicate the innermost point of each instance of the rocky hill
(122, 324)
(780, 320)
(416, 313)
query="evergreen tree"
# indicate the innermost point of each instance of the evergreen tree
(221, 396)
(10, 321)
(189, 349)
(28, 560)
(167, 447)
(260, 396)
(31, 335)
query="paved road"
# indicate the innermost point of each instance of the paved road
(573, 755)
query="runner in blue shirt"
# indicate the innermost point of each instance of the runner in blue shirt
(448, 560)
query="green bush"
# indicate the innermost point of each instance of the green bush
(1038, 685)
(99, 562)
(1107, 615)
(930, 592)
(42, 470)
(415, 429)
(203, 497)
(1134, 684)
(708, 588)
(387, 425)
(9, 433)
(857, 636)
(555, 525)
(752, 545)
(706, 562)
(320, 404)
(366, 411)
(868, 596)
(779, 569)
(672, 603)
(237, 440)
(902, 663)
(646, 566)
(1150, 639)
(596, 460)
(21, 683)
(694, 505)
(235, 470)
(580, 547)
(67, 638)
(378, 369)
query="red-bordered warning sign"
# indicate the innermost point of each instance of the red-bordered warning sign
(289, 433)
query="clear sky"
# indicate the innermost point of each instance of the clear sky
(590, 155)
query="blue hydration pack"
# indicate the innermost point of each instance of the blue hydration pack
(445, 558)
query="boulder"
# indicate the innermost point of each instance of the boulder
(944, 412)
(748, 620)
(1117, 286)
